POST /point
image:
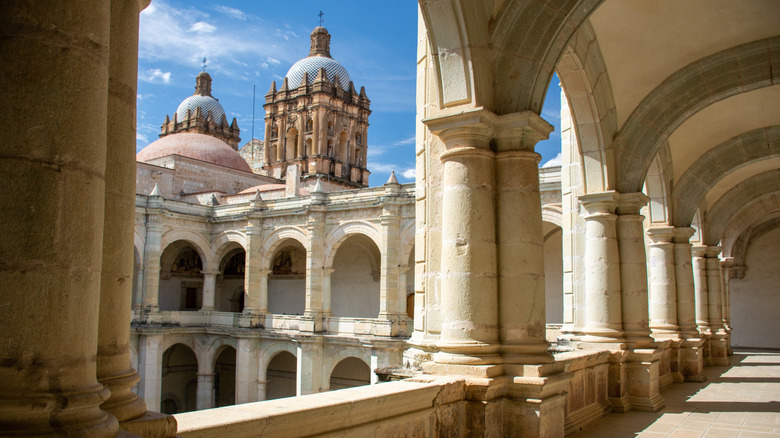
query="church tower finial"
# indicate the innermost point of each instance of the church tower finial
(320, 42)
(203, 84)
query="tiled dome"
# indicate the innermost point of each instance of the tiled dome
(312, 66)
(206, 104)
(197, 146)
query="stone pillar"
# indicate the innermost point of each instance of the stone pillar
(247, 368)
(301, 149)
(281, 147)
(267, 144)
(139, 287)
(691, 347)
(209, 289)
(55, 61)
(150, 367)
(152, 254)
(469, 302)
(633, 270)
(603, 310)
(315, 255)
(205, 391)
(326, 301)
(390, 298)
(663, 284)
(726, 270)
(519, 236)
(718, 340)
(699, 266)
(309, 367)
(255, 276)
(315, 132)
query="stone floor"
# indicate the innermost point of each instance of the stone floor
(741, 400)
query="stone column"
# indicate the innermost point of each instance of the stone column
(54, 78)
(113, 359)
(699, 266)
(281, 148)
(139, 287)
(309, 367)
(152, 253)
(209, 289)
(603, 310)
(205, 391)
(315, 132)
(663, 284)
(247, 368)
(255, 276)
(633, 270)
(469, 302)
(718, 340)
(726, 270)
(691, 347)
(519, 236)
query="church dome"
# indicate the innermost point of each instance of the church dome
(319, 57)
(197, 146)
(203, 99)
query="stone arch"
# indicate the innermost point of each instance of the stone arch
(665, 108)
(657, 188)
(737, 152)
(749, 199)
(552, 248)
(553, 213)
(197, 241)
(406, 245)
(340, 354)
(140, 244)
(182, 279)
(214, 348)
(191, 341)
(286, 279)
(226, 242)
(271, 243)
(588, 91)
(354, 283)
(739, 248)
(336, 237)
(265, 355)
(281, 387)
(349, 373)
(224, 366)
(291, 144)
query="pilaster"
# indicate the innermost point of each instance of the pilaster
(209, 289)
(309, 367)
(247, 368)
(205, 391)
(152, 254)
(315, 254)
(391, 301)
(255, 275)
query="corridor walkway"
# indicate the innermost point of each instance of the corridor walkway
(739, 401)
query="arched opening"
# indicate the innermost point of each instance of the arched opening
(309, 125)
(225, 378)
(281, 376)
(287, 280)
(350, 372)
(355, 278)
(275, 131)
(181, 277)
(358, 157)
(291, 140)
(179, 382)
(309, 147)
(230, 283)
(553, 273)
(343, 153)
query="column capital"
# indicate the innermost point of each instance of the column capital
(631, 203)
(738, 272)
(660, 235)
(209, 272)
(520, 131)
(599, 203)
(683, 234)
(327, 271)
(464, 129)
(699, 250)
(713, 251)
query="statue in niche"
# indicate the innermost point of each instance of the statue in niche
(187, 262)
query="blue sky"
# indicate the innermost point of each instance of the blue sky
(251, 43)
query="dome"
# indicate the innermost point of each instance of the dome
(312, 66)
(206, 104)
(197, 146)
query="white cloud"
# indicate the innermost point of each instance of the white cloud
(202, 27)
(553, 116)
(140, 137)
(556, 161)
(233, 12)
(156, 75)
(409, 173)
(409, 140)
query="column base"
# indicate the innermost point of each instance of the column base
(642, 380)
(251, 319)
(150, 425)
(692, 360)
(719, 349)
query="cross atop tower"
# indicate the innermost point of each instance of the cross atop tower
(320, 15)
(204, 63)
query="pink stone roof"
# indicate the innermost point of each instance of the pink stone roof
(198, 146)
